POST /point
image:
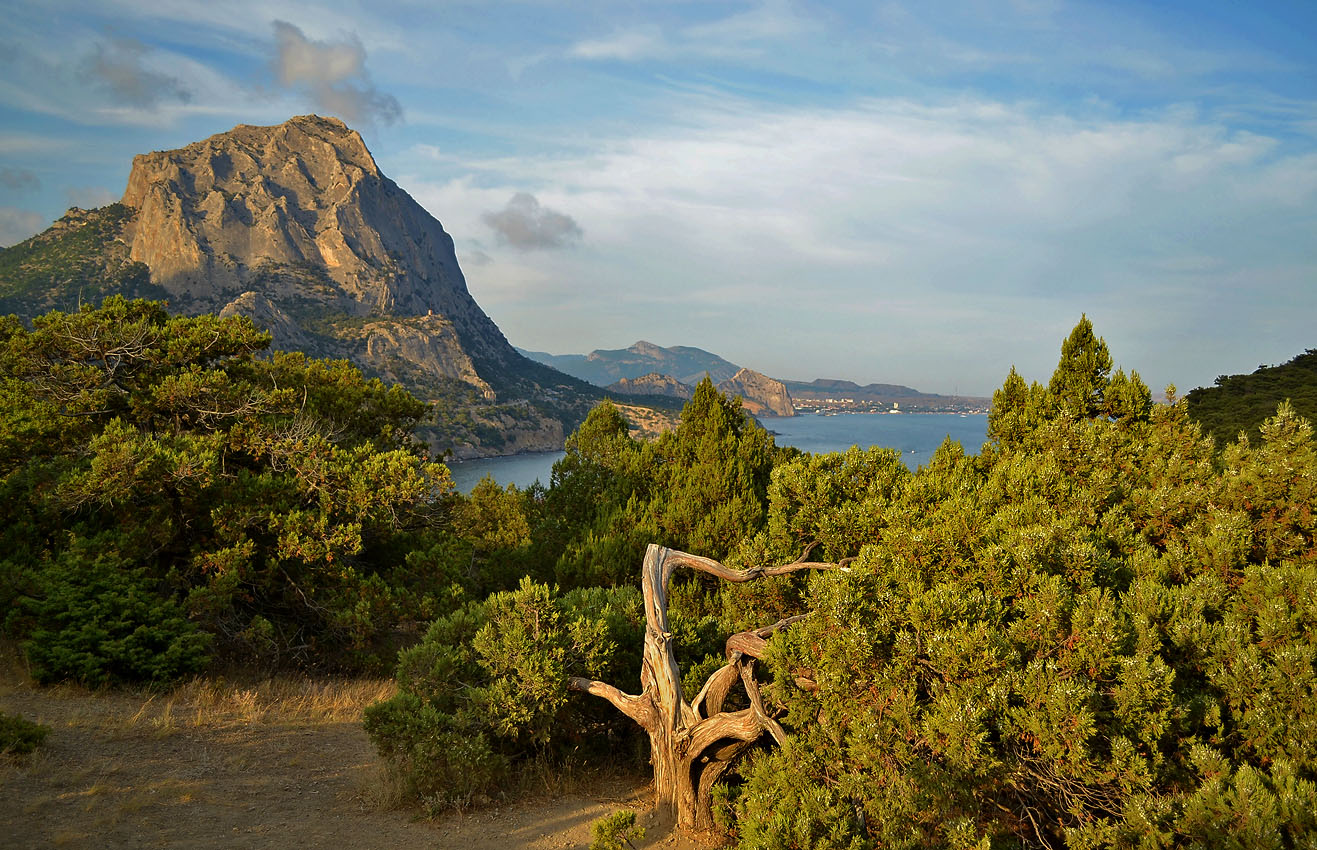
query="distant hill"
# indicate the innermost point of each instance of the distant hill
(620, 370)
(295, 227)
(1238, 403)
(651, 384)
(830, 392)
(761, 395)
(606, 366)
(821, 389)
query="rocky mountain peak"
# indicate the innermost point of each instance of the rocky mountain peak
(760, 394)
(300, 215)
(295, 227)
(300, 208)
(648, 349)
(308, 148)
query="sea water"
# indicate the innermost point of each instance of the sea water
(916, 435)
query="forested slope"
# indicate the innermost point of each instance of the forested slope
(1238, 404)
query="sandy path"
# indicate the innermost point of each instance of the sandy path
(117, 773)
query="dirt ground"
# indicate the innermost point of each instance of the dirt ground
(247, 769)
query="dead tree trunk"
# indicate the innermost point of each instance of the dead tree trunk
(694, 742)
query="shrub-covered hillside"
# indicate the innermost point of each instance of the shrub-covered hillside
(1096, 632)
(81, 259)
(1238, 404)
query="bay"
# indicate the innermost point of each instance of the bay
(916, 435)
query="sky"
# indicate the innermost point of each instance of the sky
(924, 193)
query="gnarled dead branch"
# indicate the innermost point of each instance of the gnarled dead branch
(693, 743)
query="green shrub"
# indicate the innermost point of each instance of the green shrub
(20, 735)
(272, 496)
(441, 759)
(486, 689)
(616, 831)
(99, 620)
(1097, 633)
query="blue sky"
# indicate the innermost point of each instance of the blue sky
(922, 193)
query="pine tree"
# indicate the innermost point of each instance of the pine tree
(1079, 384)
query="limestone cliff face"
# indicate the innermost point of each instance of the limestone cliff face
(428, 343)
(295, 227)
(298, 212)
(762, 395)
(287, 336)
(651, 384)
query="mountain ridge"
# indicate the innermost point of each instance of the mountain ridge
(603, 366)
(622, 370)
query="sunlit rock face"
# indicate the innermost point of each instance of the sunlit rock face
(651, 384)
(295, 227)
(761, 395)
(296, 220)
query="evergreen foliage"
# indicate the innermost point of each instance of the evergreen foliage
(18, 735)
(1096, 633)
(617, 831)
(172, 489)
(1238, 404)
(99, 619)
(701, 487)
(1078, 386)
(1088, 636)
(487, 688)
(714, 470)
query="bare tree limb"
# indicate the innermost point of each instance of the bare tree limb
(711, 697)
(714, 568)
(638, 708)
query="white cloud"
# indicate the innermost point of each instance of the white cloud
(745, 35)
(976, 226)
(333, 74)
(623, 45)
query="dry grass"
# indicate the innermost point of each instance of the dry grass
(284, 699)
(201, 702)
(383, 791)
(205, 702)
(272, 762)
